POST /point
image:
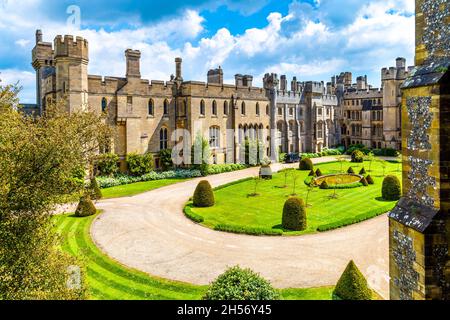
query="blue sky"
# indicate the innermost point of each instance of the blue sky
(310, 39)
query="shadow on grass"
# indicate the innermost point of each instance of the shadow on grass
(381, 199)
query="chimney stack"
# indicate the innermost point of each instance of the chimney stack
(133, 58)
(178, 69)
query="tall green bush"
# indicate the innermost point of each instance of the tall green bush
(240, 284)
(391, 189)
(94, 190)
(165, 159)
(107, 164)
(352, 285)
(138, 165)
(203, 195)
(294, 215)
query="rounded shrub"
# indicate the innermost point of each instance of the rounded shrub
(294, 215)
(350, 171)
(312, 173)
(139, 165)
(357, 156)
(306, 164)
(240, 284)
(203, 195)
(107, 164)
(364, 182)
(370, 179)
(324, 185)
(319, 173)
(391, 189)
(362, 171)
(85, 207)
(95, 192)
(352, 285)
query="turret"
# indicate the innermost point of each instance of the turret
(283, 83)
(71, 62)
(178, 69)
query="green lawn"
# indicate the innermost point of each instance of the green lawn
(234, 207)
(133, 189)
(109, 280)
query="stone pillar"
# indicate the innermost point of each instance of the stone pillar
(419, 226)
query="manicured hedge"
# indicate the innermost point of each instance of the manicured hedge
(122, 179)
(294, 215)
(391, 189)
(85, 207)
(203, 195)
(359, 218)
(248, 230)
(222, 168)
(241, 284)
(95, 192)
(233, 183)
(352, 285)
(306, 164)
(192, 215)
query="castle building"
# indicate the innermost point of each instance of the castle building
(371, 116)
(147, 114)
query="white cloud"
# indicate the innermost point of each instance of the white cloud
(295, 44)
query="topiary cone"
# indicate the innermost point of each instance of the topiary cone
(312, 173)
(324, 185)
(352, 285)
(96, 193)
(319, 173)
(350, 171)
(370, 179)
(363, 171)
(364, 182)
(203, 195)
(294, 215)
(85, 207)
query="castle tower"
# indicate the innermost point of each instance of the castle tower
(42, 62)
(71, 62)
(419, 226)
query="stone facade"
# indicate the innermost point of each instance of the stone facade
(420, 223)
(146, 113)
(371, 116)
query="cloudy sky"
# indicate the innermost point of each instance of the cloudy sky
(311, 39)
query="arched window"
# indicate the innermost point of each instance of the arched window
(163, 139)
(166, 107)
(225, 108)
(151, 109)
(104, 105)
(202, 108)
(257, 109)
(214, 137)
(243, 109)
(214, 108)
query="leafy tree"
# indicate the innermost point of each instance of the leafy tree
(341, 160)
(201, 154)
(256, 181)
(383, 164)
(38, 159)
(370, 157)
(295, 178)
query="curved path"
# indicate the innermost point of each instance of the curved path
(149, 232)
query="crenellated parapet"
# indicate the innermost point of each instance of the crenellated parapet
(71, 47)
